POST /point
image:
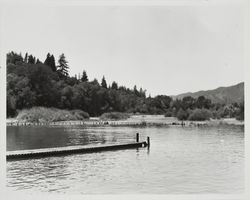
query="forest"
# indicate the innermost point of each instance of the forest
(35, 83)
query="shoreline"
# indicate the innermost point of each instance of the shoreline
(96, 122)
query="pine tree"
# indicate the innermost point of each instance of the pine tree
(136, 92)
(47, 60)
(31, 59)
(26, 58)
(63, 66)
(142, 93)
(84, 76)
(114, 85)
(50, 61)
(38, 61)
(104, 83)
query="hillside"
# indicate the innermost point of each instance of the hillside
(230, 94)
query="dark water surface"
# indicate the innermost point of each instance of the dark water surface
(180, 161)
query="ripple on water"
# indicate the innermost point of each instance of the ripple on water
(180, 160)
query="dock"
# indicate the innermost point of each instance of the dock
(80, 149)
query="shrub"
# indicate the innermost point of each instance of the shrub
(36, 114)
(62, 115)
(182, 114)
(216, 114)
(80, 114)
(42, 114)
(200, 115)
(114, 116)
(168, 114)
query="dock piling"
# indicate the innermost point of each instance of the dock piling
(148, 141)
(137, 137)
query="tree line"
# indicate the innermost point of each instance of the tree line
(31, 82)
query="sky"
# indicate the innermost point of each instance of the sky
(164, 49)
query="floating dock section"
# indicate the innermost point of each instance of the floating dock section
(62, 151)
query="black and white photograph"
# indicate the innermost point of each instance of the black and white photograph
(105, 98)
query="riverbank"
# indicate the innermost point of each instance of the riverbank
(133, 121)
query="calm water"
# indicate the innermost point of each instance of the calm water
(180, 161)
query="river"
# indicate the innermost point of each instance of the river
(181, 160)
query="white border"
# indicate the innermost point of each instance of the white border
(20, 195)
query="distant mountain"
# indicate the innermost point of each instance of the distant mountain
(230, 94)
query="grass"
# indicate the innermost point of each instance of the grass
(42, 114)
(114, 116)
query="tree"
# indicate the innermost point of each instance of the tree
(66, 95)
(142, 93)
(188, 102)
(41, 81)
(63, 66)
(47, 60)
(31, 59)
(50, 61)
(53, 63)
(182, 114)
(14, 58)
(200, 102)
(26, 58)
(136, 92)
(84, 76)
(19, 93)
(71, 81)
(38, 61)
(95, 82)
(104, 83)
(114, 86)
(41, 84)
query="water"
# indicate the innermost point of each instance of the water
(187, 160)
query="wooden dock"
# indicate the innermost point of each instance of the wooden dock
(62, 151)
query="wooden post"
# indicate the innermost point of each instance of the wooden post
(148, 141)
(137, 137)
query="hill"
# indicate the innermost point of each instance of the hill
(230, 94)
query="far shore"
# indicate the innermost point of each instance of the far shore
(134, 120)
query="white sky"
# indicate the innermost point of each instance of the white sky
(166, 50)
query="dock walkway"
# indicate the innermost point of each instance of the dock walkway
(59, 151)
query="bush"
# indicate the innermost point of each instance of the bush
(182, 114)
(42, 114)
(114, 116)
(216, 114)
(168, 114)
(80, 114)
(200, 115)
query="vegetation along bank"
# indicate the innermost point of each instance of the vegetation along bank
(35, 87)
